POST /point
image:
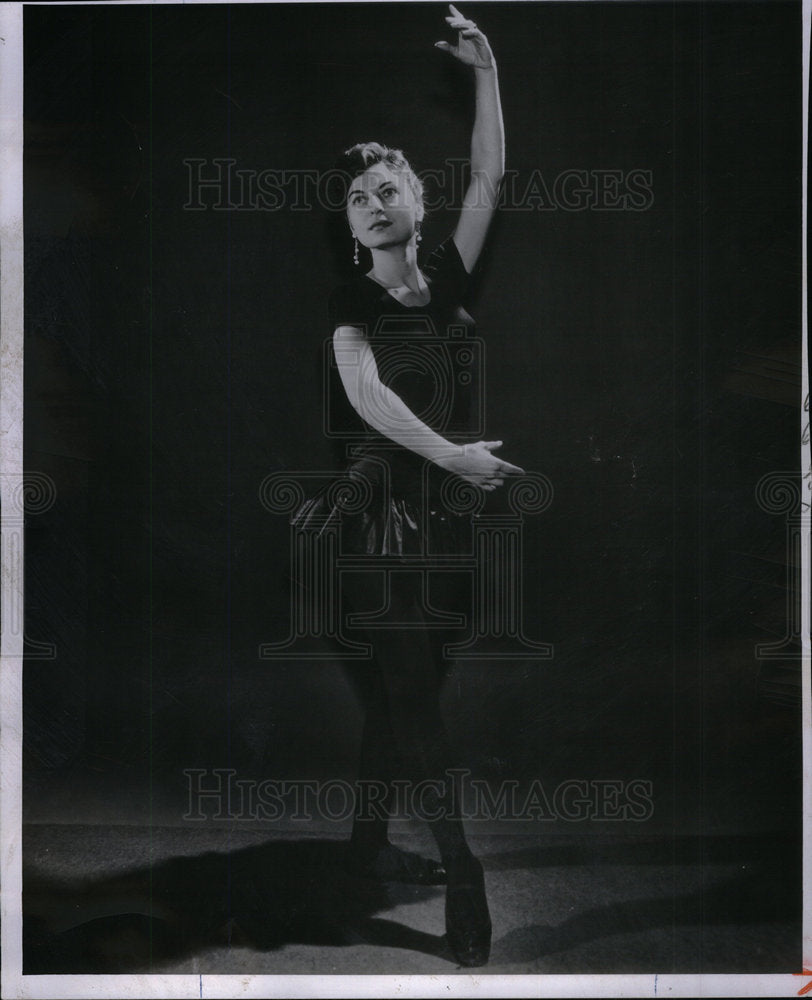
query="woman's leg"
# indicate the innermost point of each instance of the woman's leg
(406, 696)
(410, 674)
(403, 723)
(376, 766)
(371, 855)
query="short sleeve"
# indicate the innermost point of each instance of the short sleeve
(347, 306)
(446, 271)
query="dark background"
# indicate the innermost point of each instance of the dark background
(647, 362)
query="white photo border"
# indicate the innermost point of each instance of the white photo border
(15, 985)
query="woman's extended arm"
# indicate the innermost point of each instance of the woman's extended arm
(487, 139)
(384, 410)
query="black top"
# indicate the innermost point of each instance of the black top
(426, 354)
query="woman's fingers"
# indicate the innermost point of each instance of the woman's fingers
(460, 23)
(511, 470)
(468, 32)
(456, 14)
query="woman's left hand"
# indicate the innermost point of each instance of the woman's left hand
(472, 46)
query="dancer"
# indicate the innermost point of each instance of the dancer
(408, 463)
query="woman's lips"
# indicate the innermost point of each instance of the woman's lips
(381, 224)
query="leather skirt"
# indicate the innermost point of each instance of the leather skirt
(392, 504)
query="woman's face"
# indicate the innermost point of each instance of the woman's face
(381, 207)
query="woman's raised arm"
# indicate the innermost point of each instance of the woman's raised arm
(487, 139)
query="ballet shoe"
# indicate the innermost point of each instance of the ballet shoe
(393, 864)
(467, 920)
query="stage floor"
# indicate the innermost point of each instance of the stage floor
(207, 899)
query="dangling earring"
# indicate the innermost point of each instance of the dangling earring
(355, 255)
(418, 226)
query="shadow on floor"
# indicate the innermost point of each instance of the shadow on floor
(746, 882)
(261, 897)
(709, 911)
(282, 892)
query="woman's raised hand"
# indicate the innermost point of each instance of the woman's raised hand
(472, 46)
(475, 463)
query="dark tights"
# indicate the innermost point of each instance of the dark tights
(399, 687)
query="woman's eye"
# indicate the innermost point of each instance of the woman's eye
(389, 192)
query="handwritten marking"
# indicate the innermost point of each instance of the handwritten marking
(808, 987)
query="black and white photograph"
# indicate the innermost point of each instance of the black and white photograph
(405, 499)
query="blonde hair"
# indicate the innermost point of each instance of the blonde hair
(363, 155)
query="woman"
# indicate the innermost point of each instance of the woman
(400, 381)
